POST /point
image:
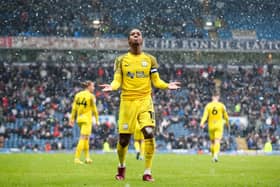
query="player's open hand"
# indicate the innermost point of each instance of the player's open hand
(71, 123)
(174, 85)
(201, 126)
(106, 87)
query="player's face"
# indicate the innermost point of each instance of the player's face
(91, 87)
(216, 97)
(135, 37)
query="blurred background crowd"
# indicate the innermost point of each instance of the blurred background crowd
(168, 19)
(36, 101)
(37, 86)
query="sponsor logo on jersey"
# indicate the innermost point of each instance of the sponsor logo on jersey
(140, 74)
(129, 74)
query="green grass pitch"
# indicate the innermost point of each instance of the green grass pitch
(58, 169)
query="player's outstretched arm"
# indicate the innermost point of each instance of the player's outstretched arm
(106, 87)
(201, 125)
(97, 123)
(174, 85)
(71, 123)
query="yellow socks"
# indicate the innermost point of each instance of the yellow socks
(212, 149)
(79, 148)
(86, 148)
(216, 149)
(150, 146)
(142, 148)
(122, 153)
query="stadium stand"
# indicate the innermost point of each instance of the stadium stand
(36, 94)
(35, 110)
(176, 19)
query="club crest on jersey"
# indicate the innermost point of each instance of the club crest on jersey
(144, 64)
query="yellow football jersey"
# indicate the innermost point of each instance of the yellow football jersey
(84, 107)
(135, 74)
(215, 113)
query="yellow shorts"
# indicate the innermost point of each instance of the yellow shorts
(132, 112)
(215, 132)
(138, 134)
(85, 128)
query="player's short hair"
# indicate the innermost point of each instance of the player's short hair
(86, 83)
(216, 93)
(129, 31)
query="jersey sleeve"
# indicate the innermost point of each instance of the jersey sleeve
(156, 80)
(116, 83)
(205, 115)
(74, 109)
(225, 115)
(94, 109)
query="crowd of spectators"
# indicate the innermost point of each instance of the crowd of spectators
(36, 101)
(252, 92)
(167, 19)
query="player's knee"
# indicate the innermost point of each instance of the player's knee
(217, 141)
(124, 140)
(148, 132)
(84, 137)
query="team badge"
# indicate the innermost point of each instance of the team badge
(144, 64)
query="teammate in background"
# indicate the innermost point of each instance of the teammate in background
(215, 113)
(139, 143)
(83, 109)
(135, 72)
